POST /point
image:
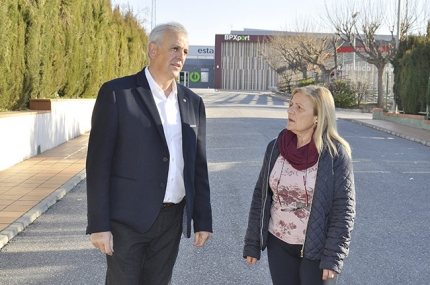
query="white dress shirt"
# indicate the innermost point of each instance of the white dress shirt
(168, 109)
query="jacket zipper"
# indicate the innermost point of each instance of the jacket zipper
(265, 197)
(310, 210)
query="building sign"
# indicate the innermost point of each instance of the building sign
(194, 76)
(360, 49)
(206, 51)
(201, 51)
(236, 38)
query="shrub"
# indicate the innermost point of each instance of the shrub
(305, 82)
(361, 90)
(343, 94)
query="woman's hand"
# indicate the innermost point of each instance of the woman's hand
(251, 260)
(328, 274)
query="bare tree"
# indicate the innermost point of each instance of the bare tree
(358, 25)
(361, 89)
(319, 50)
(297, 51)
(275, 62)
(281, 55)
(278, 51)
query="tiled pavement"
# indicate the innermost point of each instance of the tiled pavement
(29, 188)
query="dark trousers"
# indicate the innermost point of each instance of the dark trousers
(146, 259)
(288, 268)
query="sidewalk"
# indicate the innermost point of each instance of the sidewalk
(410, 133)
(29, 188)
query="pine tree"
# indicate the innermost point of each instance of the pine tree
(65, 47)
(12, 44)
(414, 74)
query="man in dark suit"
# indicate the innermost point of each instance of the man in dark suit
(147, 175)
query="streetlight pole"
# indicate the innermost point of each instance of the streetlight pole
(153, 13)
(397, 43)
(354, 54)
(354, 16)
(398, 23)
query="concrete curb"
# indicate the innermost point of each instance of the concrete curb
(25, 220)
(397, 134)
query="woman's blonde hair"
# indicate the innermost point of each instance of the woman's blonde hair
(325, 111)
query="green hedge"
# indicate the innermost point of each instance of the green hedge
(65, 48)
(412, 73)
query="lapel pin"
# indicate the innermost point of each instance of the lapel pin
(185, 100)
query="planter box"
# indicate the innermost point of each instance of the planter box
(416, 121)
(40, 104)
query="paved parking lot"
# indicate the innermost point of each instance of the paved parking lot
(389, 240)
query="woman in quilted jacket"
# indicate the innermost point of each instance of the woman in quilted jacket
(303, 206)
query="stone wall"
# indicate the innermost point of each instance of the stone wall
(24, 134)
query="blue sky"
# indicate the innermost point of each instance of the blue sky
(203, 19)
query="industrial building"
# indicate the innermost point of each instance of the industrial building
(235, 63)
(198, 70)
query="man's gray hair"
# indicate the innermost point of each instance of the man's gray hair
(157, 33)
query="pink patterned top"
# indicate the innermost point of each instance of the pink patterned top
(292, 195)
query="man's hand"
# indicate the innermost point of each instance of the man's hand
(201, 237)
(328, 274)
(251, 260)
(103, 241)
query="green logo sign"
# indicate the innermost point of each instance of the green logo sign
(194, 76)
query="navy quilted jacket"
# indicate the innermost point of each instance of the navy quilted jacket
(332, 214)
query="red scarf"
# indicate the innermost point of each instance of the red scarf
(300, 158)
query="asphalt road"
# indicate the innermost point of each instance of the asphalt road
(389, 242)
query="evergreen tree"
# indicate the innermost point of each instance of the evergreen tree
(31, 22)
(52, 54)
(404, 46)
(75, 24)
(98, 19)
(414, 74)
(65, 47)
(12, 43)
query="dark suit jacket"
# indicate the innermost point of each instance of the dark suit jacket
(128, 158)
